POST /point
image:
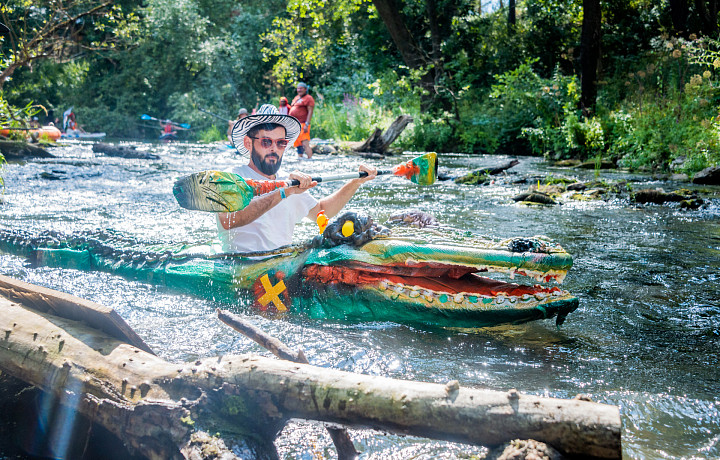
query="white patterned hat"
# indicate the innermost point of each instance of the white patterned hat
(267, 113)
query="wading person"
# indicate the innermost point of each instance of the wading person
(302, 108)
(242, 113)
(269, 220)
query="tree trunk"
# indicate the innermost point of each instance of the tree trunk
(153, 405)
(708, 11)
(379, 142)
(589, 54)
(679, 14)
(511, 16)
(391, 15)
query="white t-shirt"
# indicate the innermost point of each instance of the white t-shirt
(271, 230)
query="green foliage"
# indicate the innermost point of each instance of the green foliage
(670, 108)
(211, 134)
(353, 119)
(525, 113)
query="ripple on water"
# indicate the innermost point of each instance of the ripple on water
(646, 335)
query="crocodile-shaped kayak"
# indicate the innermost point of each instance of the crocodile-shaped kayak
(412, 278)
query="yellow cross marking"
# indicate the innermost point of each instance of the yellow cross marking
(272, 293)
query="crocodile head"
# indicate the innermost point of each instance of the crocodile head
(426, 277)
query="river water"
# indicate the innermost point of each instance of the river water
(646, 336)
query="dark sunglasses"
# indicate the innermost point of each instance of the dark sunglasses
(266, 142)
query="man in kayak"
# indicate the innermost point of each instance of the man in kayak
(302, 108)
(269, 220)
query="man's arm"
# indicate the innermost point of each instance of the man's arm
(332, 205)
(263, 203)
(257, 207)
(310, 109)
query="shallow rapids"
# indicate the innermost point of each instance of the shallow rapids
(645, 337)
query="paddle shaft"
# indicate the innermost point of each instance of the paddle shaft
(335, 177)
(180, 125)
(213, 114)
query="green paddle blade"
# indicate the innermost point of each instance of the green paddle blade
(428, 165)
(214, 191)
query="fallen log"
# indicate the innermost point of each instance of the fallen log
(339, 436)
(379, 142)
(20, 150)
(153, 405)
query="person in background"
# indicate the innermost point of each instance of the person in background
(284, 107)
(302, 108)
(35, 122)
(168, 128)
(242, 113)
(72, 126)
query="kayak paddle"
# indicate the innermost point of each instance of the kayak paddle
(148, 117)
(214, 114)
(219, 191)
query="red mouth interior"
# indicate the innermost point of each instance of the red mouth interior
(449, 279)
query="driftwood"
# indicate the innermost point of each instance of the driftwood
(379, 142)
(20, 150)
(122, 151)
(339, 436)
(153, 405)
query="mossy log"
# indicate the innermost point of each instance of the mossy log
(482, 176)
(20, 150)
(154, 405)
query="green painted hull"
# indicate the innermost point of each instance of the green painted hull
(295, 280)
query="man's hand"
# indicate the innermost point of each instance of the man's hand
(372, 173)
(306, 127)
(305, 180)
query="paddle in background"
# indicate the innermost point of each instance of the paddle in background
(181, 125)
(214, 114)
(218, 191)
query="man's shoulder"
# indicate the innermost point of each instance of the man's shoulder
(310, 100)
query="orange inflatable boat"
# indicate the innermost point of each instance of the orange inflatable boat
(49, 132)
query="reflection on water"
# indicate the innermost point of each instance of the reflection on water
(646, 336)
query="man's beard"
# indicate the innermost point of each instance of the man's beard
(266, 168)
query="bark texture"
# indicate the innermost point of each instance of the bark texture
(153, 405)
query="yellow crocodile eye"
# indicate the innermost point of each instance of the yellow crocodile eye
(348, 228)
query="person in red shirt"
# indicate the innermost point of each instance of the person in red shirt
(302, 107)
(284, 107)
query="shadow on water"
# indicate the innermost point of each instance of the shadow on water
(646, 336)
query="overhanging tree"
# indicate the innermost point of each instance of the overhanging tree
(52, 29)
